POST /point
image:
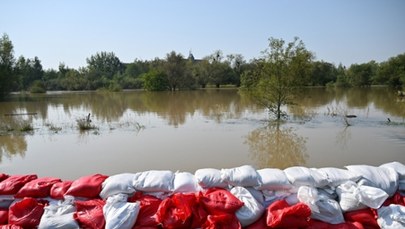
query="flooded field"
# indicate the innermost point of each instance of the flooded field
(187, 130)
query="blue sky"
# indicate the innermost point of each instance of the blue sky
(69, 31)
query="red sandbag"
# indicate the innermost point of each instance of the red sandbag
(3, 176)
(316, 224)
(87, 186)
(281, 215)
(219, 201)
(259, 224)
(3, 216)
(395, 199)
(37, 188)
(176, 211)
(10, 226)
(365, 217)
(89, 214)
(26, 213)
(13, 184)
(222, 221)
(149, 206)
(59, 189)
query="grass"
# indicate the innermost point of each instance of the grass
(85, 124)
(26, 127)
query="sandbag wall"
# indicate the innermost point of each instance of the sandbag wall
(359, 196)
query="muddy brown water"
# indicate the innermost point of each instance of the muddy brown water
(187, 130)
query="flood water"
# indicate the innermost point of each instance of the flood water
(187, 130)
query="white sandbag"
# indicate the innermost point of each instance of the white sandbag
(273, 179)
(120, 214)
(185, 182)
(258, 195)
(391, 217)
(354, 197)
(59, 215)
(251, 211)
(379, 177)
(398, 167)
(299, 175)
(244, 176)
(271, 196)
(120, 183)
(322, 207)
(154, 181)
(336, 176)
(209, 178)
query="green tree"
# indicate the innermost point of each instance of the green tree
(361, 75)
(155, 81)
(175, 69)
(7, 61)
(28, 71)
(392, 72)
(323, 73)
(282, 68)
(102, 67)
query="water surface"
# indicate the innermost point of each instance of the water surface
(188, 130)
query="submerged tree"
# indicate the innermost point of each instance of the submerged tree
(282, 68)
(7, 60)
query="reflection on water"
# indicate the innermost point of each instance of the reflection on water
(194, 129)
(276, 146)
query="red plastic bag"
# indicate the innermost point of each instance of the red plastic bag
(26, 213)
(365, 217)
(13, 184)
(281, 215)
(149, 206)
(219, 201)
(59, 189)
(89, 214)
(3, 176)
(37, 188)
(222, 221)
(3, 216)
(316, 224)
(87, 186)
(259, 224)
(176, 211)
(10, 226)
(395, 199)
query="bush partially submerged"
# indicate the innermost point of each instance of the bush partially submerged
(85, 123)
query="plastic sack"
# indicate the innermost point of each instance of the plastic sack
(120, 214)
(316, 224)
(397, 198)
(116, 184)
(38, 188)
(398, 167)
(244, 175)
(336, 176)
(3, 216)
(176, 211)
(322, 207)
(299, 175)
(379, 177)
(58, 190)
(154, 181)
(59, 215)
(89, 214)
(10, 226)
(26, 213)
(6, 201)
(391, 217)
(365, 217)
(219, 201)
(273, 179)
(354, 197)
(87, 186)
(3, 176)
(281, 215)
(148, 208)
(222, 221)
(251, 210)
(210, 178)
(185, 182)
(13, 184)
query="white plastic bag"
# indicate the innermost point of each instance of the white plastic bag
(120, 183)
(244, 176)
(299, 175)
(398, 167)
(391, 217)
(209, 178)
(59, 214)
(120, 214)
(185, 182)
(379, 177)
(154, 181)
(322, 207)
(338, 176)
(251, 211)
(273, 179)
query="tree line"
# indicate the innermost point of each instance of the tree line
(104, 70)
